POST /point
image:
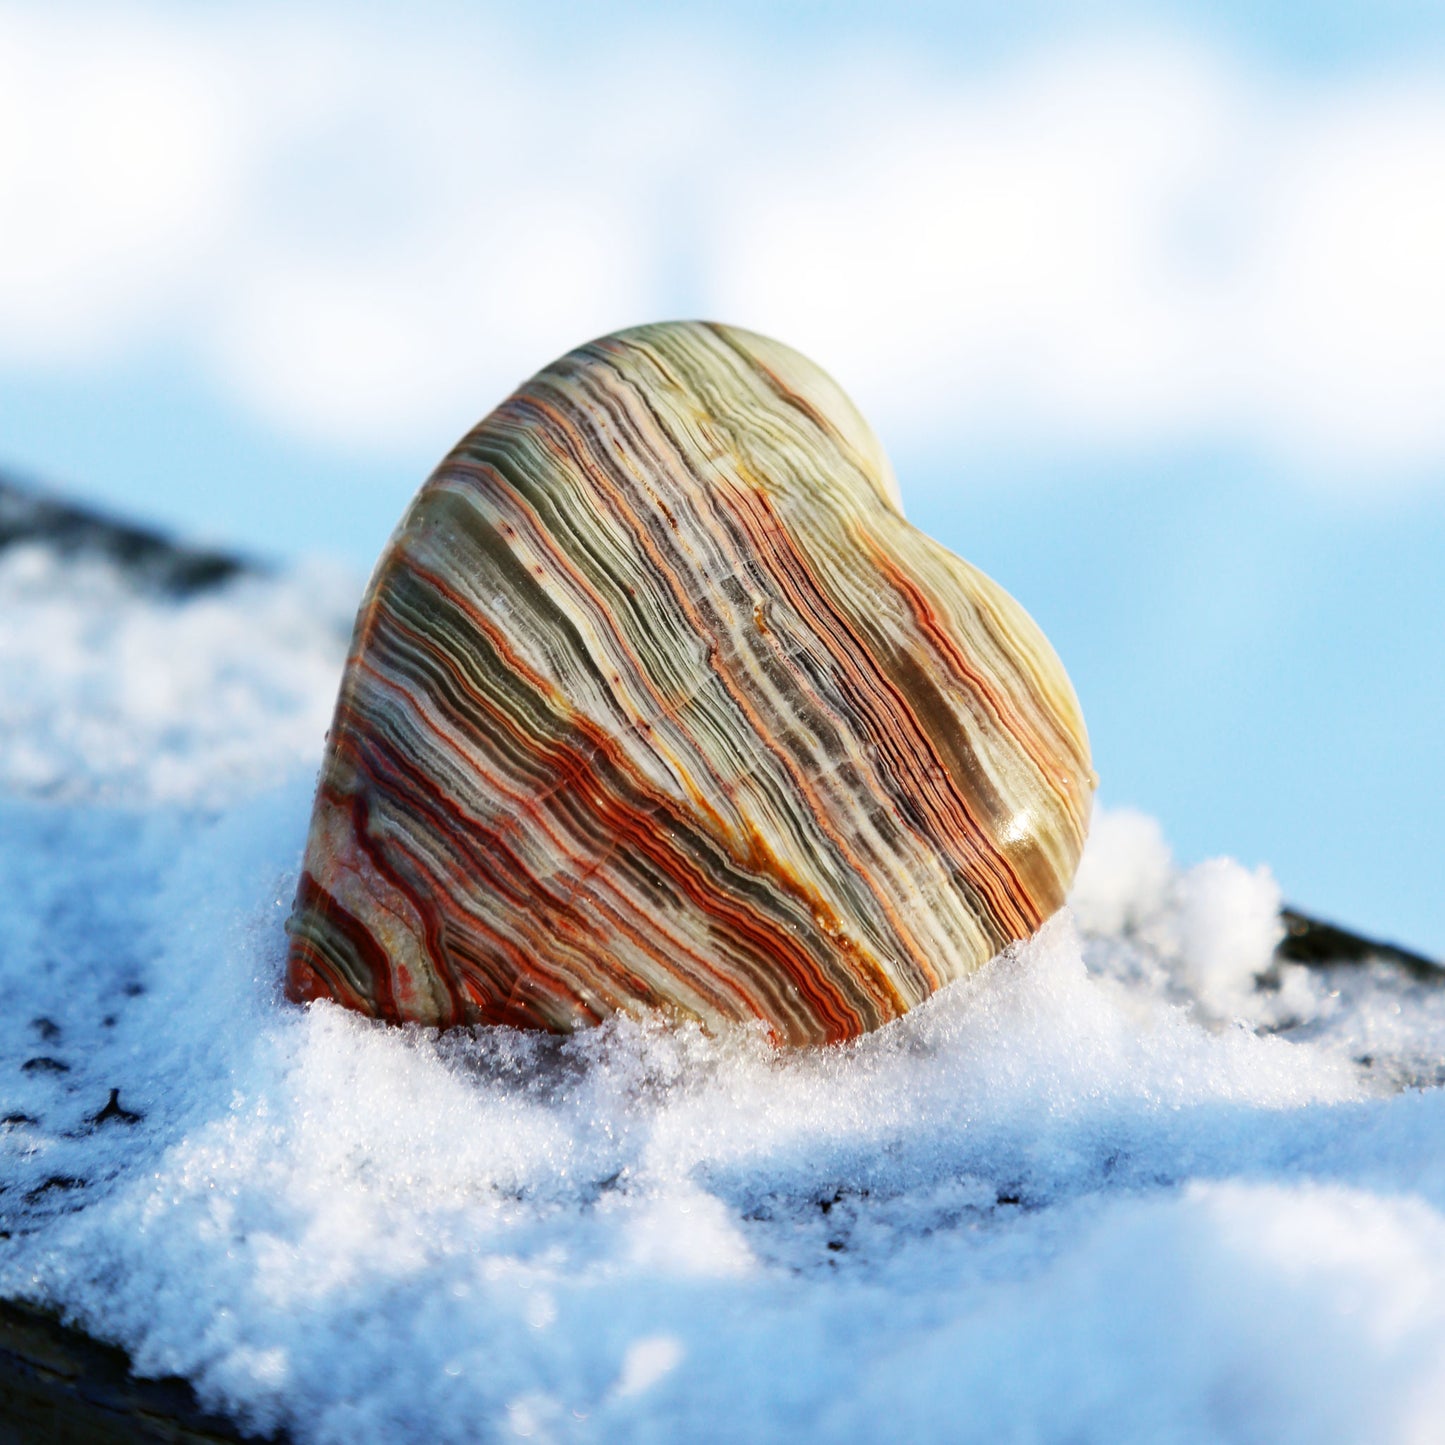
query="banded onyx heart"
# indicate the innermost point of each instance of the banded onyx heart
(656, 700)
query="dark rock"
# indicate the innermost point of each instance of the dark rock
(113, 1110)
(61, 1387)
(1312, 941)
(150, 559)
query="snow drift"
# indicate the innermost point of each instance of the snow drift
(1139, 1180)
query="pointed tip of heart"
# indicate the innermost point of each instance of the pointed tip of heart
(656, 701)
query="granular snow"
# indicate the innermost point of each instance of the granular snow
(1135, 1181)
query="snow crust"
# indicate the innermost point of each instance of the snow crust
(1136, 1181)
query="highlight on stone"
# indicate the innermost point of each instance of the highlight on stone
(656, 700)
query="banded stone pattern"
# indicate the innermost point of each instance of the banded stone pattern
(655, 700)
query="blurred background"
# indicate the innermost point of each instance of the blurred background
(1147, 303)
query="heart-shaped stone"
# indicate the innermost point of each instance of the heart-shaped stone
(656, 701)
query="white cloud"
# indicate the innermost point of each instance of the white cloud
(114, 168)
(367, 236)
(1122, 246)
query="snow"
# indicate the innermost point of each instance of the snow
(1136, 1181)
(106, 691)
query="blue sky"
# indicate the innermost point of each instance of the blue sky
(1145, 301)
